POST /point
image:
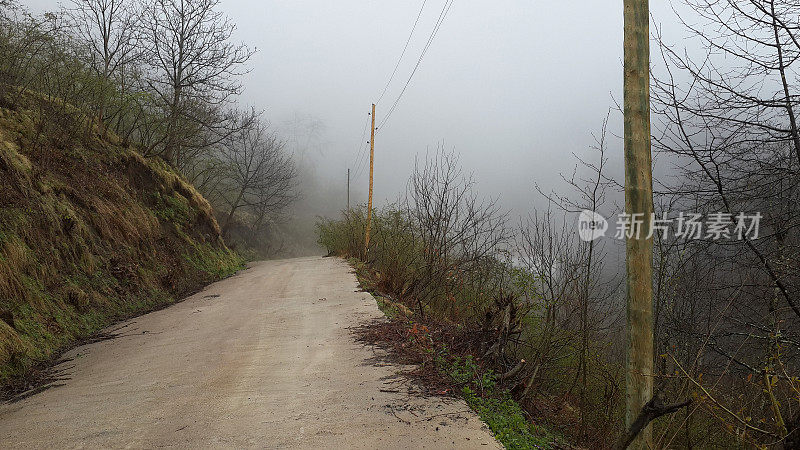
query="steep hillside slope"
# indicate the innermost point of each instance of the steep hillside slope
(90, 232)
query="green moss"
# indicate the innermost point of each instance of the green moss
(217, 263)
(173, 208)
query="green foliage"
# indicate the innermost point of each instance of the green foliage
(405, 267)
(344, 237)
(508, 422)
(504, 416)
(462, 370)
(397, 260)
(387, 307)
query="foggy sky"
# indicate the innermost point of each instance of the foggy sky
(515, 87)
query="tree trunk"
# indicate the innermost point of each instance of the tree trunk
(639, 202)
(234, 207)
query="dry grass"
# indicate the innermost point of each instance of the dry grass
(90, 232)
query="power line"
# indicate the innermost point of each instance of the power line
(359, 148)
(363, 162)
(391, 77)
(361, 152)
(445, 9)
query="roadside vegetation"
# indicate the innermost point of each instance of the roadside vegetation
(127, 164)
(124, 68)
(436, 264)
(445, 367)
(527, 323)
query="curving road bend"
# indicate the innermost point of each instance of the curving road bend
(262, 359)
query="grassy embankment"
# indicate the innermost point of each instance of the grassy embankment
(90, 232)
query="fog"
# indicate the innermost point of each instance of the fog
(515, 87)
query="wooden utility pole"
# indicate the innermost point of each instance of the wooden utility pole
(348, 190)
(371, 161)
(639, 204)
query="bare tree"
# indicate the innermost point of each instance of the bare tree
(193, 66)
(589, 193)
(728, 123)
(107, 29)
(259, 176)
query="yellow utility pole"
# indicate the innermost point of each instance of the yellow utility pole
(639, 204)
(369, 201)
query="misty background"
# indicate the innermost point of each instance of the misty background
(515, 87)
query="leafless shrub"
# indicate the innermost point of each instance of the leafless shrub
(462, 236)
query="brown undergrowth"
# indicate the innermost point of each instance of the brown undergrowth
(413, 343)
(443, 363)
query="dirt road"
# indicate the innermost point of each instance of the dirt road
(262, 359)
